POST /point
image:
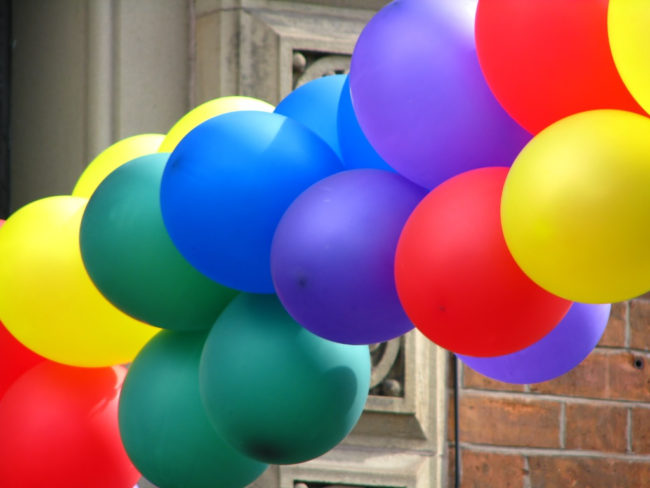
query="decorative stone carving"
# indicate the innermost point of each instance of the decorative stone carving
(317, 65)
(387, 378)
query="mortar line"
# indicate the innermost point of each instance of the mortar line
(629, 430)
(553, 452)
(510, 395)
(562, 432)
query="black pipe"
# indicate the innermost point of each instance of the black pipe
(454, 365)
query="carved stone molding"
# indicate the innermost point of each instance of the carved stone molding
(248, 47)
(387, 378)
(362, 469)
(310, 66)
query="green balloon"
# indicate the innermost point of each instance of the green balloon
(132, 260)
(164, 427)
(290, 395)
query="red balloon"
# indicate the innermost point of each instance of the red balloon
(59, 429)
(456, 279)
(547, 59)
(15, 359)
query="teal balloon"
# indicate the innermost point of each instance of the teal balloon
(274, 390)
(163, 426)
(131, 259)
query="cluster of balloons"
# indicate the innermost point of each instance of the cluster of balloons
(478, 172)
(553, 93)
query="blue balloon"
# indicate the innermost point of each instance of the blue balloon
(315, 104)
(226, 186)
(356, 151)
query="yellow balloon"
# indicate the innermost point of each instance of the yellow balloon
(628, 24)
(576, 207)
(47, 300)
(206, 111)
(112, 157)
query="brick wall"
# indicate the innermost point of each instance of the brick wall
(587, 429)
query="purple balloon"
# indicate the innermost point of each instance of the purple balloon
(420, 96)
(566, 346)
(333, 251)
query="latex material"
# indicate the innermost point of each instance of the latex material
(113, 157)
(59, 429)
(315, 104)
(574, 205)
(456, 279)
(420, 96)
(206, 111)
(160, 406)
(47, 300)
(333, 252)
(557, 353)
(548, 59)
(133, 262)
(15, 359)
(356, 151)
(629, 37)
(227, 185)
(291, 396)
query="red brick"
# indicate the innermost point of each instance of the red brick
(489, 470)
(472, 379)
(509, 422)
(574, 472)
(614, 335)
(596, 427)
(451, 466)
(450, 417)
(640, 324)
(604, 375)
(640, 430)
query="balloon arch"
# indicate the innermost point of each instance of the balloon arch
(482, 175)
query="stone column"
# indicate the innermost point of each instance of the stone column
(86, 73)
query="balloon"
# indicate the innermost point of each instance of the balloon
(627, 22)
(15, 359)
(59, 429)
(113, 157)
(274, 390)
(455, 277)
(333, 251)
(315, 104)
(356, 151)
(227, 185)
(576, 206)
(420, 96)
(555, 354)
(206, 111)
(133, 262)
(547, 59)
(47, 300)
(160, 406)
